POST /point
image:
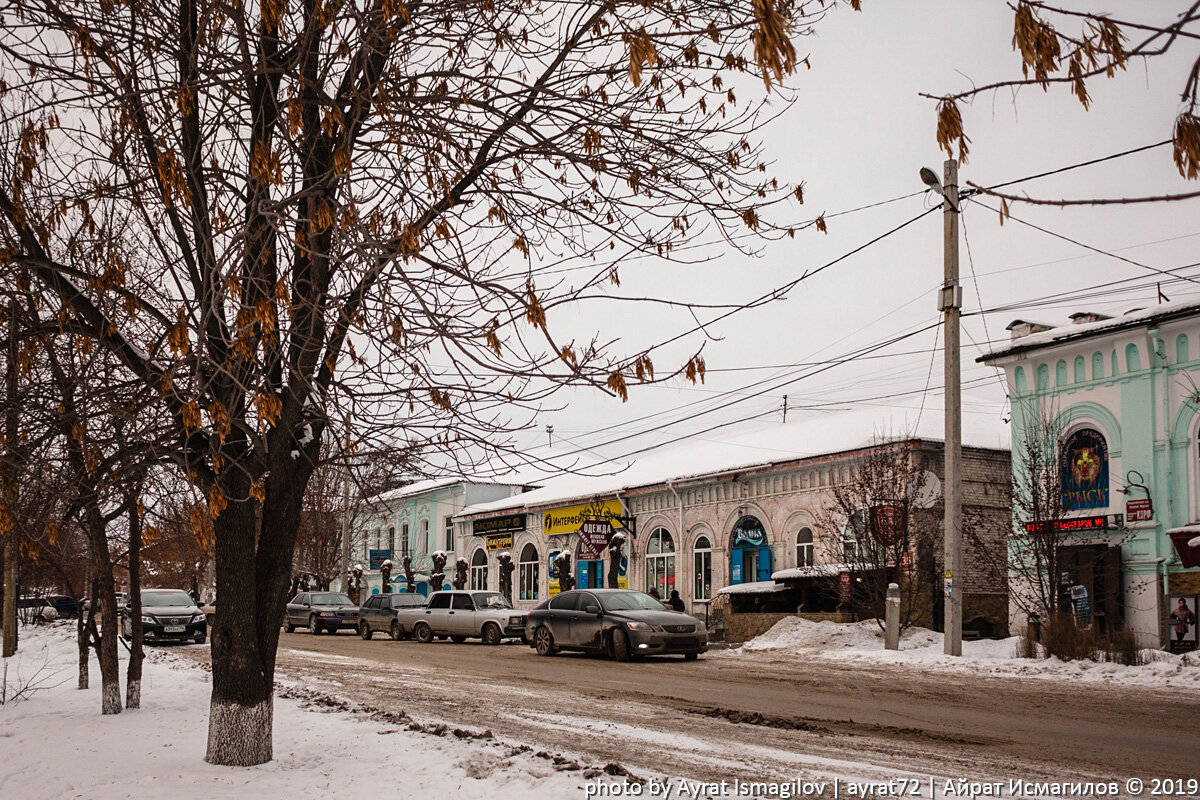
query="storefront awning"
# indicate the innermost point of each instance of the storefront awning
(1187, 543)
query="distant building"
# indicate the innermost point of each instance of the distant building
(1123, 391)
(743, 511)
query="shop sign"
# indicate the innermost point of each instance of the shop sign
(1181, 622)
(1139, 510)
(594, 536)
(499, 541)
(552, 585)
(377, 557)
(560, 521)
(511, 523)
(749, 530)
(1082, 606)
(1085, 471)
(888, 521)
(1068, 525)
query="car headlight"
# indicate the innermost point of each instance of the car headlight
(516, 620)
(148, 619)
(328, 613)
(199, 618)
(639, 626)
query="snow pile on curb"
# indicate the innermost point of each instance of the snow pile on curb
(862, 642)
(158, 750)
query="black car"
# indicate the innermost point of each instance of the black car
(168, 615)
(66, 606)
(622, 623)
(379, 614)
(320, 612)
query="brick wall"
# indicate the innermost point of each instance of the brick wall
(1184, 582)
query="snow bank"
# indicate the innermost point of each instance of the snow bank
(862, 642)
(158, 751)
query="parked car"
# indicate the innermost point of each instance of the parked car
(320, 612)
(463, 615)
(380, 613)
(622, 623)
(168, 615)
(66, 606)
(35, 609)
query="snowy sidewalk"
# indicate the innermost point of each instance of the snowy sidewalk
(57, 745)
(920, 648)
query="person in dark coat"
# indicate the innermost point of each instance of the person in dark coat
(654, 593)
(675, 602)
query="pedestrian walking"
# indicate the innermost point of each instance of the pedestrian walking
(675, 601)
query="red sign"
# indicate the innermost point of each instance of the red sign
(1140, 510)
(888, 522)
(1188, 554)
(594, 536)
(1067, 525)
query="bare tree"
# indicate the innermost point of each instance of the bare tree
(1069, 48)
(376, 207)
(875, 526)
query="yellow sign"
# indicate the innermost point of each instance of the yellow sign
(567, 520)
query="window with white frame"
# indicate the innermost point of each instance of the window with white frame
(702, 554)
(528, 574)
(404, 540)
(660, 563)
(804, 547)
(479, 569)
(449, 532)
(423, 537)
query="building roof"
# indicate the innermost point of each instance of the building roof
(1063, 333)
(826, 433)
(757, 587)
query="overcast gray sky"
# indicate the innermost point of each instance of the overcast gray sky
(858, 134)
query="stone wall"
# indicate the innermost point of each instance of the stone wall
(1184, 582)
(743, 627)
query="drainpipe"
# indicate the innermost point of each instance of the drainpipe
(1159, 348)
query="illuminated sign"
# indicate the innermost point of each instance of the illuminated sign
(1068, 525)
(569, 520)
(1085, 471)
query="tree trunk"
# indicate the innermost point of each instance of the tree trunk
(83, 637)
(110, 668)
(133, 680)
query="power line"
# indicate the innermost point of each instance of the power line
(1080, 164)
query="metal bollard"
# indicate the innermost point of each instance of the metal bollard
(892, 632)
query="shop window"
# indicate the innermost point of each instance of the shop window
(479, 570)
(660, 563)
(527, 579)
(804, 548)
(703, 563)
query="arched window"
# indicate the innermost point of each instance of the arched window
(804, 548)
(703, 562)
(1043, 377)
(479, 569)
(528, 576)
(391, 541)
(404, 540)
(1060, 373)
(1097, 365)
(1080, 375)
(423, 537)
(660, 562)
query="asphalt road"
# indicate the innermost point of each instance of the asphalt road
(758, 717)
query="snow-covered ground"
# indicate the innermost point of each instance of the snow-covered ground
(55, 744)
(862, 642)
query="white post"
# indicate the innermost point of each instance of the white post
(892, 611)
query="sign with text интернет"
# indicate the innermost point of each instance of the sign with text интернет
(1067, 525)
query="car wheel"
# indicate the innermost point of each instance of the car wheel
(395, 631)
(620, 646)
(201, 639)
(288, 626)
(458, 639)
(543, 641)
(690, 656)
(313, 627)
(491, 634)
(423, 633)
(364, 630)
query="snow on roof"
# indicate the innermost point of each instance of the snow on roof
(759, 446)
(1140, 316)
(1193, 528)
(757, 587)
(817, 571)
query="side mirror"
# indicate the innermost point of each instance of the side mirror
(591, 609)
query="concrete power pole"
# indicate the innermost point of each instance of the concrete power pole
(950, 304)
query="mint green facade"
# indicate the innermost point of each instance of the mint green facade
(1134, 379)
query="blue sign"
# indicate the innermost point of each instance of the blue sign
(377, 557)
(749, 532)
(1085, 471)
(1081, 605)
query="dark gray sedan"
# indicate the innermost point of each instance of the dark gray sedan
(379, 614)
(168, 615)
(320, 612)
(619, 622)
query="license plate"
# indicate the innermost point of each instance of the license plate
(174, 628)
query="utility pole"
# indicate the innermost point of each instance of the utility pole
(785, 408)
(550, 435)
(10, 490)
(950, 304)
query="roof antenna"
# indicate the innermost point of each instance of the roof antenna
(1161, 297)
